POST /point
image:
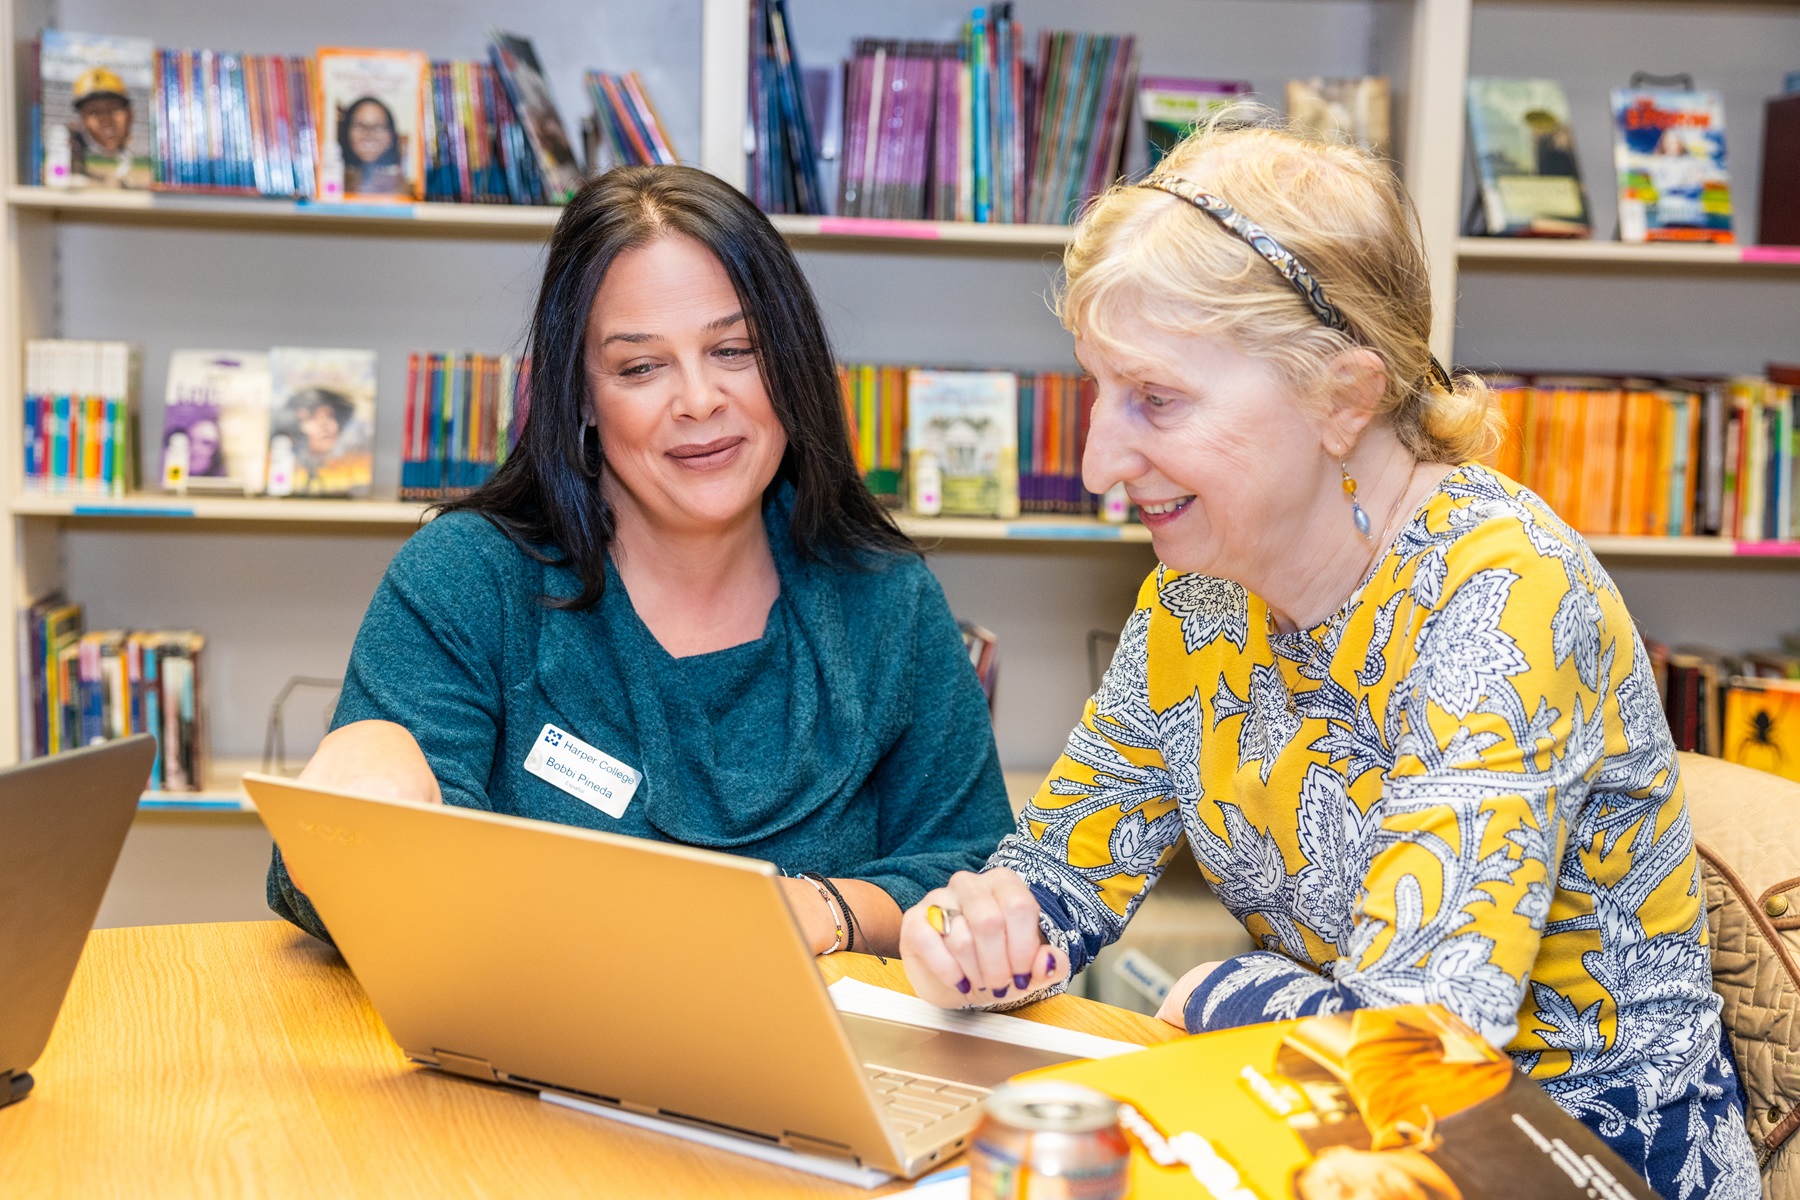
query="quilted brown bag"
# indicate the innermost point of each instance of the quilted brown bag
(1747, 829)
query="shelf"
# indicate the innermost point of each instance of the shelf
(223, 793)
(1582, 254)
(1060, 530)
(947, 236)
(497, 221)
(153, 507)
(408, 514)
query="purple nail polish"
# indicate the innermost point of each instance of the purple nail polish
(1021, 981)
(1049, 962)
(999, 993)
(962, 985)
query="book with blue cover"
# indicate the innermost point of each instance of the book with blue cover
(1669, 152)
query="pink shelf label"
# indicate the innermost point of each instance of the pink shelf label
(871, 227)
(1767, 549)
(1770, 254)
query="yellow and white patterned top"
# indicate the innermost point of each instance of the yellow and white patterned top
(1460, 789)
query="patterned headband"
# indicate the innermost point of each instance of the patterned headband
(1278, 256)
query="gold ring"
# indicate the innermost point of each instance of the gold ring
(939, 918)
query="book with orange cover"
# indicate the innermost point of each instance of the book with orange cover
(1762, 725)
(1396, 1101)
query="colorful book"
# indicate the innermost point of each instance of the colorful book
(1357, 110)
(1762, 724)
(80, 417)
(1524, 151)
(96, 112)
(1669, 153)
(322, 425)
(529, 91)
(371, 116)
(1170, 108)
(963, 425)
(216, 422)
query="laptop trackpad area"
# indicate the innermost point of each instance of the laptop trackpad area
(957, 1057)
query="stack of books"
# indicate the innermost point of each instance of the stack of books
(463, 414)
(1657, 457)
(1023, 433)
(953, 131)
(342, 124)
(238, 123)
(626, 122)
(476, 148)
(80, 417)
(80, 688)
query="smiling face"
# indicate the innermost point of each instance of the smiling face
(1209, 442)
(371, 133)
(688, 434)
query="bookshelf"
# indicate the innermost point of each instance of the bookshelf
(280, 585)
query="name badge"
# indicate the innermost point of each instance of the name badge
(591, 776)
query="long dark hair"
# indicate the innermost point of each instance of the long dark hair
(547, 493)
(389, 157)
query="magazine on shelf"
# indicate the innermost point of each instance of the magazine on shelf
(322, 426)
(95, 99)
(962, 427)
(371, 114)
(1404, 1101)
(529, 91)
(216, 422)
(1669, 153)
(1171, 107)
(1356, 110)
(1524, 151)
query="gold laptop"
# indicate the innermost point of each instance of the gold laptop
(658, 979)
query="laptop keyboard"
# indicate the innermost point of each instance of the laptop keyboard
(911, 1102)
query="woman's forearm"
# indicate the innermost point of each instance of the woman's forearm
(373, 758)
(877, 917)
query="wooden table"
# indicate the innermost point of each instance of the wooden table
(245, 1060)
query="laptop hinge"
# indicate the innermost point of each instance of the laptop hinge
(463, 1064)
(802, 1144)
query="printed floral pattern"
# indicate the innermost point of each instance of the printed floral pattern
(1460, 789)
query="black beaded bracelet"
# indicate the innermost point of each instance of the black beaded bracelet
(843, 906)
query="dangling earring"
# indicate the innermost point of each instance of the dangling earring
(1357, 515)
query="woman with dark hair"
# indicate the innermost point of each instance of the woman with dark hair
(678, 578)
(370, 142)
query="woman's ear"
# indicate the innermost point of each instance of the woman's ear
(1355, 384)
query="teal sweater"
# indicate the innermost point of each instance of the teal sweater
(851, 739)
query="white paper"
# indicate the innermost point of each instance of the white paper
(867, 1000)
(952, 1184)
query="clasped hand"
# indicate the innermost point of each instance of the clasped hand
(990, 948)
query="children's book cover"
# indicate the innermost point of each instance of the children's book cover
(964, 427)
(216, 422)
(1524, 155)
(322, 427)
(371, 111)
(1762, 725)
(1669, 151)
(96, 109)
(1405, 1101)
(1357, 110)
(517, 62)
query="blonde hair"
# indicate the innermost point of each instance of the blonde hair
(1341, 211)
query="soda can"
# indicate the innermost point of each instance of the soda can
(1048, 1141)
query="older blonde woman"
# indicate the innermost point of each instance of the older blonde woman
(1392, 700)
